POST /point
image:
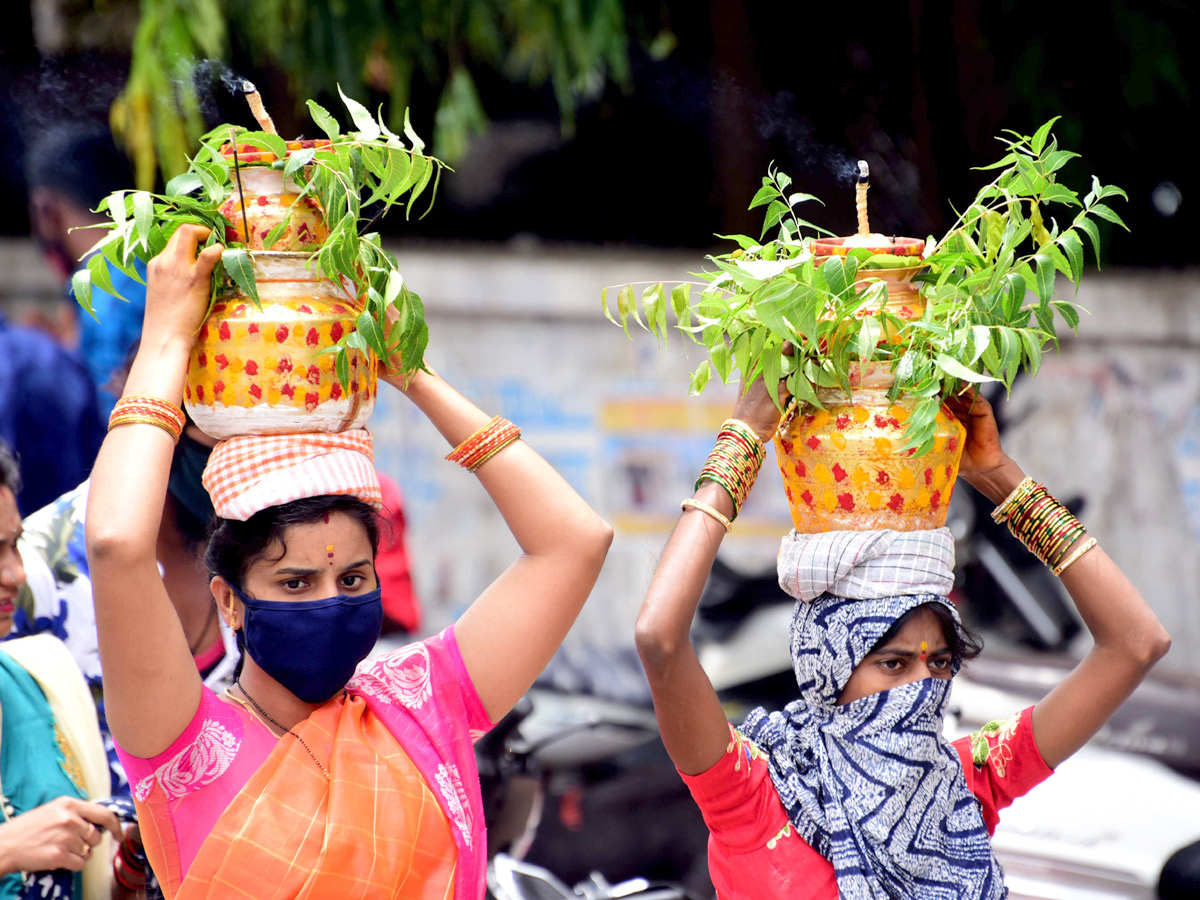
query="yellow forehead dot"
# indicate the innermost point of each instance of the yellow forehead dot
(329, 549)
(924, 646)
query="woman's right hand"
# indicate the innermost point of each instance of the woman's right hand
(56, 835)
(178, 286)
(757, 408)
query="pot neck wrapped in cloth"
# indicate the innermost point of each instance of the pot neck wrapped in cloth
(249, 473)
(872, 786)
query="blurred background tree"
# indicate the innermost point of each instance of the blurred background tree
(649, 121)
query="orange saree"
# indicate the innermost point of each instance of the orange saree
(372, 829)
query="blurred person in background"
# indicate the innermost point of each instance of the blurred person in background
(51, 756)
(69, 169)
(57, 595)
(48, 413)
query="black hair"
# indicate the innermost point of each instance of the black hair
(234, 546)
(964, 644)
(81, 162)
(10, 472)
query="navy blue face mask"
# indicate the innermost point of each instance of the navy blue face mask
(311, 647)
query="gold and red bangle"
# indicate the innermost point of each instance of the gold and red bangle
(734, 461)
(484, 444)
(143, 409)
(1082, 549)
(1040, 522)
(1002, 512)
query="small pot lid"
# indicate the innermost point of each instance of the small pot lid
(250, 155)
(876, 243)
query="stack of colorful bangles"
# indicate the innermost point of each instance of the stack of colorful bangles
(143, 409)
(130, 865)
(1043, 525)
(733, 464)
(484, 444)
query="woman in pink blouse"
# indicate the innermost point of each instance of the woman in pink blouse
(851, 791)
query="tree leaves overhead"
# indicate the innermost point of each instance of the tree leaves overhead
(577, 46)
(988, 285)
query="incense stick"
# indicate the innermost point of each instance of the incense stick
(237, 173)
(256, 107)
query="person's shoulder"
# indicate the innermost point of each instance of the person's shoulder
(1002, 762)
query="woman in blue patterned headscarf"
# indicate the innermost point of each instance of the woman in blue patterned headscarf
(851, 790)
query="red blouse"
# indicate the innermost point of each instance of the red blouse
(755, 853)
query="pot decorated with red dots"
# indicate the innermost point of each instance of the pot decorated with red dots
(844, 468)
(262, 370)
(265, 200)
(903, 301)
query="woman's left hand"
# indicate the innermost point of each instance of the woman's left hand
(178, 286)
(985, 466)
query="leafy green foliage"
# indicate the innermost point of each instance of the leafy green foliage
(988, 284)
(361, 168)
(577, 46)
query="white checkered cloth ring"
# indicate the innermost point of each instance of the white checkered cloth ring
(249, 473)
(866, 565)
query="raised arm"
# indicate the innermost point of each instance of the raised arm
(511, 631)
(151, 686)
(690, 719)
(1128, 637)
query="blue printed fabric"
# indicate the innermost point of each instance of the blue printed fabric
(873, 786)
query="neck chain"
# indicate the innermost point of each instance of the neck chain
(266, 715)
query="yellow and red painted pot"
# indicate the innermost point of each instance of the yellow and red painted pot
(267, 198)
(843, 467)
(903, 300)
(262, 371)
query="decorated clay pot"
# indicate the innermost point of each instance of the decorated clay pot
(903, 300)
(268, 197)
(843, 467)
(261, 371)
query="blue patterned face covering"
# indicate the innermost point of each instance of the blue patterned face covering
(311, 647)
(873, 786)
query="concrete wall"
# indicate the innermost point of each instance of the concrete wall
(1114, 419)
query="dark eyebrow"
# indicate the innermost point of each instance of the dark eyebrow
(909, 654)
(357, 565)
(296, 570)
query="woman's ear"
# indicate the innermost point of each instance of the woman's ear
(227, 601)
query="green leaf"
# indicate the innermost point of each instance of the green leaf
(625, 305)
(264, 140)
(101, 278)
(722, 359)
(368, 128)
(1058, 193)
(372, 332)
(1104, 212)
(182, 184)
(1056, 159)
(802, 389)
(341, 365)
(981, 338)
(994, 233)
(1088, 227)
(1045, 276)
(1039, 137)
(81, 287)
(1070, 315)
(655, 309)
(834, 270)
(765, 195)
(681, 304)
(700, 377)
(1070, 243)
(955, 369)
(297, 160)
(772, 371)
(418, 145)
(237, 264)
(1033, 352)
(274, 233)
(868, 337)
(143, 216)
(323, 120)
